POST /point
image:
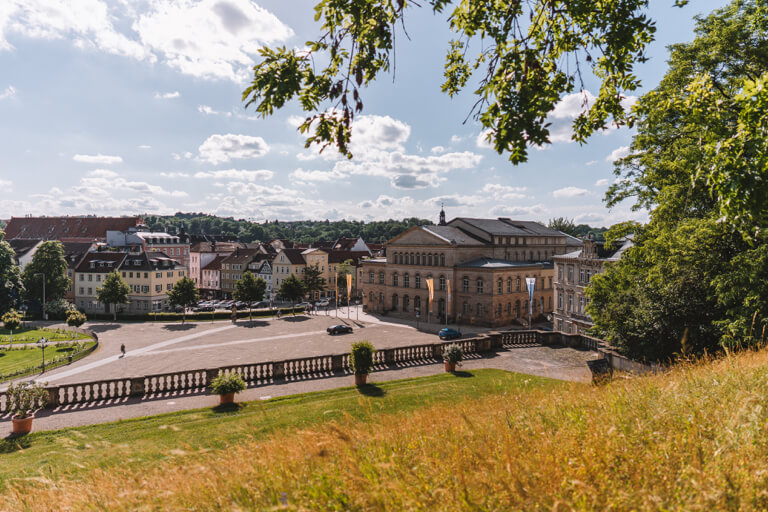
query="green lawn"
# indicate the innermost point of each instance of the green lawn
(15, 360)
(138, 442)
(31, 335)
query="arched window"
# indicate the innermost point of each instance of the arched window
(518, 284)
(465, 285)
(499, 286)
(406, 303)
(423, 258)
(479, 286)
(509, 308)
(371, 298)
(394, 279)
(381, 277)
(417, 281)
(394, 302)
(406, 281)
(429, 259)
(517, 309)
(399, 257)
(418, 259)
(442, 283)
(442, 260)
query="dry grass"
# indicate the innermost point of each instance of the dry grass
(693, 439)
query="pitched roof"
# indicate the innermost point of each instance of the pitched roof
(241, 256)
(215, 263)
(101, 262)
(22, 246)
(152, 260)
(493, 263)
(294, 256)
(342, 256)
(452, 235)
(68, 228)
(74, 252)
(218, 247)
(504, 226)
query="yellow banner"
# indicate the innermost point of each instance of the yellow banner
(349, 286)
(431, 286)
(448, 289)
(336, 281)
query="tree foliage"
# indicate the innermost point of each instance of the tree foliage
(113, 291)
(292, 289)
(527, 56)
(11, 285)
(313, 280)
(11, 321)
(185, 294)
(250, 289)
(47, 264)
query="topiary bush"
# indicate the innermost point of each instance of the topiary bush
(226, 383)
(452, 353)
(361, 358)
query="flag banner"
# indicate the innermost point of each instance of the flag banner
(430, 285)
(448, 289)
(349, 286)
(336, 281)
(531, 283)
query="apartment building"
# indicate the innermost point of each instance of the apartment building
(89, 276)
(150, 275)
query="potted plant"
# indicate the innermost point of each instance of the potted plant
(226, 385)
(24, 399)
(361, 361)
(75, 319)
(452, 355)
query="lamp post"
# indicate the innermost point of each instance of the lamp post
(45, 313)
(43, 342)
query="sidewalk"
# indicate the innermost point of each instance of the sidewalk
(569, 365)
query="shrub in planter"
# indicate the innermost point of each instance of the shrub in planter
(452, 355)
(12, 322)
(24, 399)
(75, 319)
(361, 361)
(226, 385)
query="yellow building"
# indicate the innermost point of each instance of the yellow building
(150, 275)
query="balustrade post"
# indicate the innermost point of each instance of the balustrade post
(337, 362)
(278, 370)
(389, 356)
(137, 386)
(210, 374)
(53, 397)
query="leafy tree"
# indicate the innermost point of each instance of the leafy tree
(313, 280)
(565, 225)
(75, 319)
(12, 322)
(292, 289)
(47, 263)
(346, 268)
(185, 294)
(11, 285)
(250, 289)
(113, 291)
(529, 54)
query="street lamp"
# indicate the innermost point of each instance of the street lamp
(45, 314)
(43, 342)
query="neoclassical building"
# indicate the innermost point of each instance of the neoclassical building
(478, 267)
(573, 273)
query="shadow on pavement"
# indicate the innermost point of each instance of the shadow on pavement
(251, 324)
(462, 373)
(179, 327)
(371, 390)
(226, 408)
(294, 318)
(99, 328)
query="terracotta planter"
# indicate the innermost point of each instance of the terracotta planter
(450, 367)
(360, 380)
(22, 425)
(227, 398)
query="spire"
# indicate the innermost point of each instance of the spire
(442, 215)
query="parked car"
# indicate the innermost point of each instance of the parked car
(261, 304)
(338, 329)
(322, 304)
(202, 309)
(305, 305)
(449, 334)
(240, 305)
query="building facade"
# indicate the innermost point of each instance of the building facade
(89, 276)
(573, 273)
(150, 275)
(233, 267)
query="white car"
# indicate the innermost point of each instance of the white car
(322, 304)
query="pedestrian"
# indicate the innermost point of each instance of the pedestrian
(278, 314)
(122, 350)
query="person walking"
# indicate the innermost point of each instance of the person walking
(122, 350)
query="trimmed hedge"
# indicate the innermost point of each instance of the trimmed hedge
(220, 314)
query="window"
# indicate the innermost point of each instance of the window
(581, 275)
(442, 260)
(82, 290)
(158, 274)
(570, 273)
(370, 277)
(90, 291)
(82, 277)
(417, 304)
(499, 289)
(181, 273)
(581, 304)
(406, 303)
(381, 279)
(394, 302)
(517, 309)
(479, 310)
(90, 277)
(509, 285)
(559, 301)
(145, 289)
(589, 276)
(498, 309)
(570, 302)
(509, 308)
(550, 282)
(465, 307)
(406, 281)
(98, 278)
(130, 274)
(168, 274)
(394, 279)
(441, 283)
(479, 286)
(417, 281)
(560, 273)
(169, 286)
(371, 297)
(418, 259)
(146, 275)
(465, 285)
(381, 298)
(518, 284)
(430, 260)
(158, 288)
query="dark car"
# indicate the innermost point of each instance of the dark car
(338, 329)
(449, 334)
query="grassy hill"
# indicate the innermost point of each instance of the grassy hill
(692, 439)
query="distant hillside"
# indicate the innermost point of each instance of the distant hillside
(303, 231)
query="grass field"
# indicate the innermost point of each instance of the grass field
(12, 361)
(31, 335)
(138, 442)
(695, 438)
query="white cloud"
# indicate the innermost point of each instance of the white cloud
(87, 23)
(179, 156)
(105, 184)
(220, 148)
(455, 139)
(502, 192)
(617, 154)
(98, 159)
(235, 174)
(294, 121)
(5, 184)
(315, 175)
(205, 109)
(211, 38)
(437, 150)
(602, 182)
(569, 192)
(9, 92)
(592, 162)
(481, 141)
(145, 146)
(382, 133)
(167, 95)
(525, 212)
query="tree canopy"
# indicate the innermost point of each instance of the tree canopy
(526, 55)
(250, 289)
(11, 285)
(113, 291)
(313, 280)
(185, 294)
(292, 289)
(47, 264)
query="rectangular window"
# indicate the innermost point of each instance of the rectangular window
(480, 286)
(370, 277)
(123, 274)
(82, 290)
(581, 275)
(181, 273)
(169, 274)
(559, 301)
(90, 277)
(158, 288)
(145, 289)
(82, 277)
(130, 274)
(98, 278)
(465, 286)
(570, 273)
(169, 286)
(90, 291)
(560, 273)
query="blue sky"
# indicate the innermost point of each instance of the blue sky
(134, 106)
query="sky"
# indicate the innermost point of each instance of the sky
(127, 107)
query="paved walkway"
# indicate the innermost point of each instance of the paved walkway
(558, 363)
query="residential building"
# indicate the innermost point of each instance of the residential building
(150, 275)
(89, 276)
(74, 253)
(573, 273)
(328, 261)
(233, 267)
(287, 262)
(203, 253)
(24, 249)
(210, 283)
(261, 267)
(68, 229)
(139, 240)
(478, 267)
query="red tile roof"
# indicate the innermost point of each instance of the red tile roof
(68, 228)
